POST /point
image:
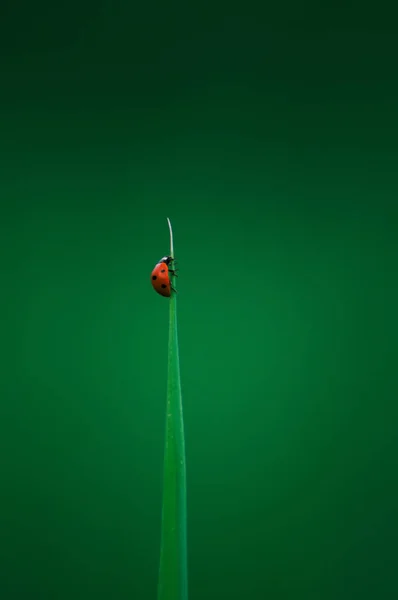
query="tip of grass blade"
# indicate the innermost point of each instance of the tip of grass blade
(171, 238)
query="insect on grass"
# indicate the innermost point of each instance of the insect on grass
(173, 570)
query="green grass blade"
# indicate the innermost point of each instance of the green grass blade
(173, 572)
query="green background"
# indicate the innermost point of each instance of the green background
(269, 137)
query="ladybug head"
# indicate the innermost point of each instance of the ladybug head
(166, 259)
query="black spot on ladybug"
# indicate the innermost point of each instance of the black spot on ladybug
(154, 277)
(163, 271)
(164, 286)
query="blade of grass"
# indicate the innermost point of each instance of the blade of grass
(173, 571)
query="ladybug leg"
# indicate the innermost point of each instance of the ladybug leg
(173, 272)
(174, 290)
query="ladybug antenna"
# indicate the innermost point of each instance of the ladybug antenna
(171, 239)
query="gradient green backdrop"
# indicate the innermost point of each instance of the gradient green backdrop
(269, 137)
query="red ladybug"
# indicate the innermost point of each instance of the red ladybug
(160, 277)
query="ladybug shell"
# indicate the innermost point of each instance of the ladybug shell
(160, 279)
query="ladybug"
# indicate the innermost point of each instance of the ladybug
(160, 277)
